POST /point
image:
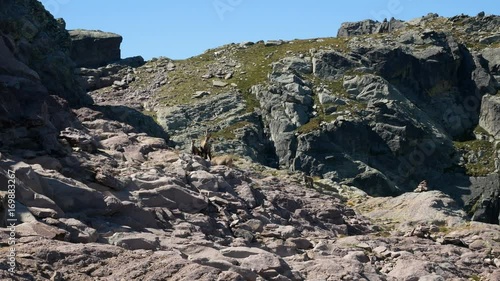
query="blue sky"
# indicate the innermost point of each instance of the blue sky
(184, 28)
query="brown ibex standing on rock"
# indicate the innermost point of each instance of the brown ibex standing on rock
(308, 181)
(206, 149)
(194, 149)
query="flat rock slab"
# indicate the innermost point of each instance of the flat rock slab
(412, 208)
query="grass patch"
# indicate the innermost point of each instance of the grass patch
(475, 278)
(151, 114)
(480, 131)
(483, 154)
(336, 88)
(312, 125)
(228, 132)
(256, 61)
(444, 229)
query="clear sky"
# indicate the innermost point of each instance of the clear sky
(183, 28)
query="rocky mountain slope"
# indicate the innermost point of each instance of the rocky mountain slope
(398, 103)
(106, 189)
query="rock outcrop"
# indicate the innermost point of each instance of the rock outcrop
(490, 115)
(94, 48)
(32, 38)
(366, 27)
(118, 74)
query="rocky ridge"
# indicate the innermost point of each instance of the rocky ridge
(102, 196)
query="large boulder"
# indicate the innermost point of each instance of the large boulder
(492, 55)
(409, 209)
(490, 115)
(94, 48)
(357, 28)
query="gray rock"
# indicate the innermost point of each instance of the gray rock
(262, 262)
(273, 42)
(31, 194)
(185, 200)
(246, 193)
(490, 39)
(70, 195)
(37, 32)
(490, 115)
(94, 48)
(406, 269)
(409, 209)
(40, 230)
(357, 28)
(293, 64)
(135, 241)
(246, 44)
(220, 84)
(80, 139)
(243, 252)
(200, 94)
(286, 106)
(492, 55)
(349, 29)
(332, 64)
(78, 231)
(202, 180)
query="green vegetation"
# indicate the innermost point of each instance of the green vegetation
(151, 114)
(254, 63)
(475, 278)
(482, 152)
(337, 88)
(480, 131)
(474, 207)
(312, 125)
(444, 229)
(228, 132)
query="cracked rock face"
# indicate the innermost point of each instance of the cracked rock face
(106, 191)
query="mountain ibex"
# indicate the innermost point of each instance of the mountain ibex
(206, 149)
(422, 186)
(226, 160)
(223, 160)
(308, 181)
(194, 149)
